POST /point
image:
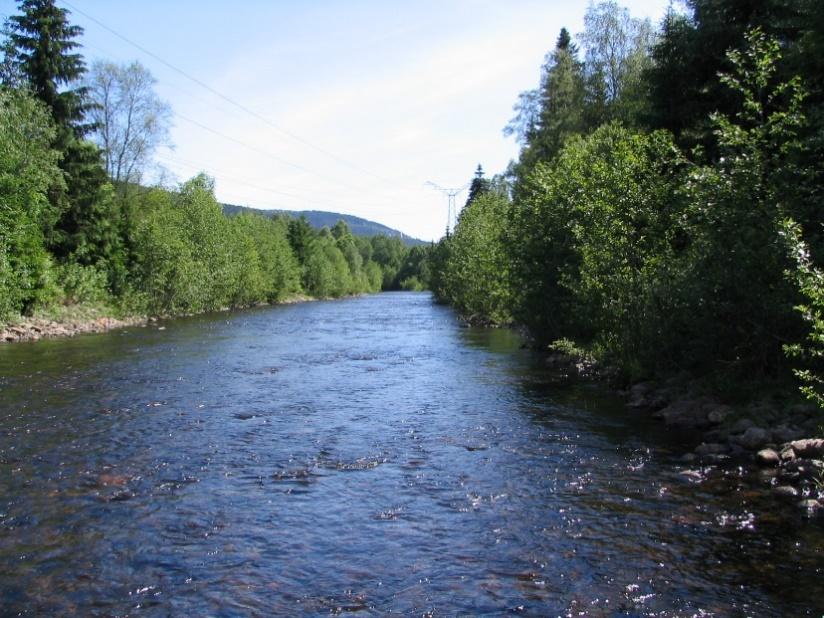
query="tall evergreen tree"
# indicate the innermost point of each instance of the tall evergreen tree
(43, 41)
(548, 116)
(42, 44)
(479, 186)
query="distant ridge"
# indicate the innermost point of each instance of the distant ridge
(321, 218)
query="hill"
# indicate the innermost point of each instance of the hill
(321, 218)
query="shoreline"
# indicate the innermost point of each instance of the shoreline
(783, 444)
(36, 327)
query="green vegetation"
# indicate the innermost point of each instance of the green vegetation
(664, 213)
(80, 236)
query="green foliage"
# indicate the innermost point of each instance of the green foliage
(810, 280)
(478, 268)
(388, 253)
(621, 214)
(80, 284)
(734, 269)
(28, 170)
(327, 273)
(42, 41)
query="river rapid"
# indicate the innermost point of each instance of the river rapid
(368, 456)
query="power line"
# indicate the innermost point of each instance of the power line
(226, 98)
(326, 204)
(263, 152)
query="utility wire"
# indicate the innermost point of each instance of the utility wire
(327, 203)
(226, 98)
(262, 152)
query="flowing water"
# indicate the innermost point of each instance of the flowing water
(367, 456)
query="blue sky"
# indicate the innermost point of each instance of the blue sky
(356, 103)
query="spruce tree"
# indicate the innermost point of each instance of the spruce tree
(42, 46)
(478, 187)
(42, 49)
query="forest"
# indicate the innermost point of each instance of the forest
(664, 214)
(80, 232)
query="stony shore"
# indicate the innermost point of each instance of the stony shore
(33, 329)
(36, 328)
(785, 444)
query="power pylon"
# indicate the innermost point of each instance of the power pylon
(451, 209)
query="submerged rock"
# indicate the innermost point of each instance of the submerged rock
(810, 505)
(711, 448)
(785, 491)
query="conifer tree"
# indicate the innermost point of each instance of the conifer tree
(42, 48)
(479, 186)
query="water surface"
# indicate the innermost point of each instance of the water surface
(368, 456)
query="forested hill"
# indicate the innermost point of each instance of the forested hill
(319, 219)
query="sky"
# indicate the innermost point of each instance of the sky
(342, 105)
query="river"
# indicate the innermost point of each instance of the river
(368, 456)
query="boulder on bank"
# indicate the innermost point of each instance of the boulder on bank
(768, 457)
(752, 438)
(687, 413)
(811, 448)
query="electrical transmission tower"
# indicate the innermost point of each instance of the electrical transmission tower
(451, 210)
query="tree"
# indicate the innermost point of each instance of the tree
(41, 44)
(28, 168)
(478, 268)
(130, 120)
(549, 115)
(616, 56)
(478, 186)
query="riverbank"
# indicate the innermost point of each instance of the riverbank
(70, 321)
(782, 442)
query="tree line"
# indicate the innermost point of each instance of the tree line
(78, 227)
(665, 209)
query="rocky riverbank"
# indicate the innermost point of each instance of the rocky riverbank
(783, 442)
(33, 329)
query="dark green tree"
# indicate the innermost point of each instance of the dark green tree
(42, 44)
(478, 187)
(549, 115)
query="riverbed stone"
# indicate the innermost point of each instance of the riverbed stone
(710, 448)
(741, 425)
(786, 433)
(811, 505)
(752, 438)
(638, 395)
(787, 492)
(768, 457)
(719, 414)
(787, 453)
(811, 448)
(685, 413)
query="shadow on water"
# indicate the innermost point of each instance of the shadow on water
(367, 456)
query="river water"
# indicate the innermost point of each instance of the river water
(367, 456)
